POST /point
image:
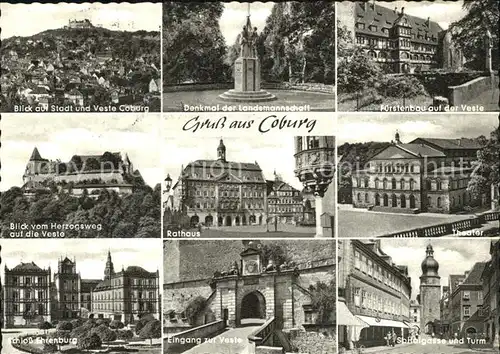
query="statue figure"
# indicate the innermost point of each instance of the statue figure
(488, 44)
(234, 269)
(253, 39)
(245, 42)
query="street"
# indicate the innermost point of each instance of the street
(430, 349)
(8, 335)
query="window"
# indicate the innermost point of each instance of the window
(439, 202)
(466, 311)
(360, 26)
(466, 295)
(356, 296)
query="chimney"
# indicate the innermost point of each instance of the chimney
(459, 142)
(403, 10)
(395, 9)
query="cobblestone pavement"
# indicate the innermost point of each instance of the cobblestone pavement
(372, 224)
(234, 341)
(429, 349)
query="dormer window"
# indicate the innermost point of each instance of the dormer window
(360, 25)
(373, 28)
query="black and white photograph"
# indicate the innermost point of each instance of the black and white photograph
(418, 296)
(63, 58)
(418, 175)
(248, 184)
(249, 296)
(75, 296)
(80, 176)
(418, 56)
(249, 56)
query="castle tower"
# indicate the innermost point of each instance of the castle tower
(430, 293)
(34, 166)
(109, 271)
(221, 151)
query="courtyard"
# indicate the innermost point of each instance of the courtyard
(361, 223)
(261, 231)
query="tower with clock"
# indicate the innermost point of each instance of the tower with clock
(251, 259)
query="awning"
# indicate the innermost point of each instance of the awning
(382, 322)
(346, 318)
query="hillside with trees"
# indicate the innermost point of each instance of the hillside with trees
(133, 215)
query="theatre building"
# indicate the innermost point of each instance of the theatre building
(374, 294)
(425, 175)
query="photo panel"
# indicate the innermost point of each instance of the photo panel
(418, 295)
(249, 56)
(425, 56)
(92, 57)
(76, 296)
(419, 175)
(228, 296)
(80, 176)
(244, 175)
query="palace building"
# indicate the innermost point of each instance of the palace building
(91, 173)
(221, 192)
(126, 295)
(31, 297)
(397, 40)
(27, 295)
(374, 294)
(426, 174)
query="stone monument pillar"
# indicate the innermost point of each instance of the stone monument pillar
(488, 47)
(247, 70)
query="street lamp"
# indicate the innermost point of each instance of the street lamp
(168, 183)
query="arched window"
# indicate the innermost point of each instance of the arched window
(439, 185)
(403, 201)
(439, 202)
(372, 54)
(412, 201)
(403, 184)
(393, 183)
(359, 197)
(394, 201)
(385, 183)
(367, 199)
(376, 183)
(377, 199)
(428, 184)
(386, 200)
(367, 182)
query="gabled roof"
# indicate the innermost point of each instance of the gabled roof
(474, 276)
(446, 144)
(214, 170)
(28, 267)
(384, 17)
(421, 150)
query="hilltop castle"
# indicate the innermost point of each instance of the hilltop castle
(91, 172)
(77, 24)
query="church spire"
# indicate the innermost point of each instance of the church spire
(109, 271)
(221, 151)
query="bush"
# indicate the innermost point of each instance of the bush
(357, 72)
(89, 341)
(78, 331)
(103, 321)
(125, 334)
(400, 86)
(90, 323)
(76, 322)
(64, 326)
(142, 322)
(151, 330)
(116, 324)
(104, 332)
(44, 325)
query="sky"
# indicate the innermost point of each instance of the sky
(235, 14)
(355, 128)
(60, 136)
(442, 12)
(37, 17)
(454, 256)
(90, 256)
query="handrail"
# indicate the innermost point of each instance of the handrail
(261, 334)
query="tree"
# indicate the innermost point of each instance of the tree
(274, 252)
(64, 326)
(151, 330)
(91, 164)
(357, 72)
(59, 337)
(469, 32)
(323, 301)
(89, 341)
(194, 308)
(486, 170)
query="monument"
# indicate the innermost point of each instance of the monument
(247, 70)
(488, 46)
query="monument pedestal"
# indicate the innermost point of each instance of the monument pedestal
(247, 83)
